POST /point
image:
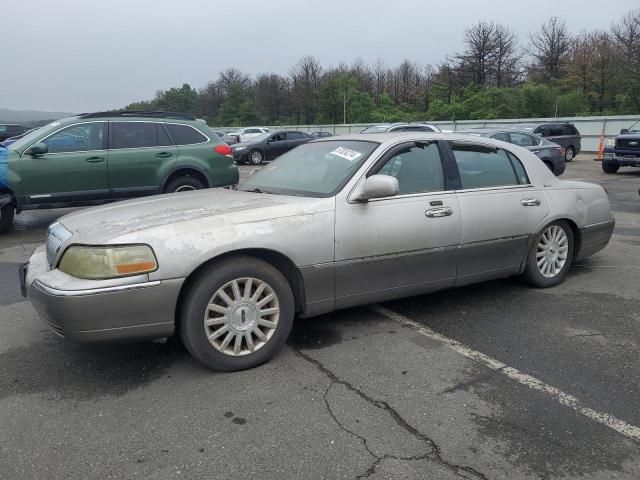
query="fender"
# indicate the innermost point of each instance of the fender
(5, 199)
(186, 166)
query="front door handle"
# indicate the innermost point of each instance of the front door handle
(164, 154)
(439, 212)
(530, 202)
(94, 160)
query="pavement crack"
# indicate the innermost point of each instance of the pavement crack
(434, 455)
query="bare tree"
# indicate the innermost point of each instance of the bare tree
(379, 80)
(305, 80)
(550, 47)
(506, 56)
(479, 58)
(626, 35)
(233, 77)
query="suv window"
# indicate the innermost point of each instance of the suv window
(418, 169)
(543, 131)
(555, 130)
(569, 129)
(138, 135)
(296, 136)
(184, 134)
(482, 167)
(77, 138)
(522, 139)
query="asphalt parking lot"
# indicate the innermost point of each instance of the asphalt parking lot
(491, 381)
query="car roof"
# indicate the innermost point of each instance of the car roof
(394, 137)
(490, 130)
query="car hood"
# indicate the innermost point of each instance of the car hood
(220, 206)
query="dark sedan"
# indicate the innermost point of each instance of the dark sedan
(552, 154)
(268, 146)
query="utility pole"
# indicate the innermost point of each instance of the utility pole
(344, 107)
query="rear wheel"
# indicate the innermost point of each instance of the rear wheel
(6, 217)
(237, 314)
(569, 153)
(184, 183)
(610, 167)
(550, 256)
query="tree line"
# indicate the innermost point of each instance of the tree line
(554, 73)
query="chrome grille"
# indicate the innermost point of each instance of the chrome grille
(628, 143)
(56, 236)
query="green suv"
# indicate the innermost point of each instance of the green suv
(101, 157)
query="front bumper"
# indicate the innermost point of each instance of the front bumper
(623, 161)
(91, 311)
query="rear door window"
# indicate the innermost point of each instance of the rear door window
(569, 130)
(482, 167)
(185, 134)
(555, 130)
(501, 136)
(521, 139)
(137, 135)
(296, 136)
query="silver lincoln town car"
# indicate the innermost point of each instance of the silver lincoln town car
(334, 223)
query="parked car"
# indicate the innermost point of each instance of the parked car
(106, 156)
(230, 139)
(331, 224)
(246, 134)
(401, 127)
(320, 134)
(563, 133)
(8, 130)
(623, 151)
(13, 139)
(551, 154)
(268, 146)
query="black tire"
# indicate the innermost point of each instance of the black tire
(255, 157)
(610, 167)
(184, 183)
(532, 273)
(569, 154)
(202, 290)
(6, 217)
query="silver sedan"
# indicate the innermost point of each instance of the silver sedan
(334, 223)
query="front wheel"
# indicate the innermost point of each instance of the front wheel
(256, 157)
(6, 217)
(237, 314)
(550, 255)
(610, 167)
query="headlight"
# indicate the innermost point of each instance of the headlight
(611, 142)
(95, 263)
(237, 149)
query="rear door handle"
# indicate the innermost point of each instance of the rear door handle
(164, 154)
(94, 160)
(530, 202)
(439, 212)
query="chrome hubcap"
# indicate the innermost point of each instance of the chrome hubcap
(241, 316)
(185, 188)
(256, 157)
(552, 251)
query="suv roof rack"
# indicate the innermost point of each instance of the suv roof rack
(138, 113)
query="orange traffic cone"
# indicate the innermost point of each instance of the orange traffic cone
(601, 147)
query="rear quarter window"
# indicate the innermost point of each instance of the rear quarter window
(570, 130)
(185, 134)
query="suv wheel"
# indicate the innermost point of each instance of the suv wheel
(610, 167)
(6, 217)
(237, 314)
(183, 184)
(569, 154)
(550, 256)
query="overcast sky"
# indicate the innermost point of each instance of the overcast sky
(84, 55)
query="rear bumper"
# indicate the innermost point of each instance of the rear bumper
(594, 238)
(135, 311)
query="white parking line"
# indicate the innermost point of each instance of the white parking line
(630, 431)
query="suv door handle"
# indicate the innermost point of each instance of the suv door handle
(94, 160)
(530, 202)
(164, 154)
(439, 212)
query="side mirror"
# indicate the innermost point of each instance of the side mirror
(37, 149)
(377, 186)
(623, 131)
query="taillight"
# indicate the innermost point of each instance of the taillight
(561, 150)
(223, 149)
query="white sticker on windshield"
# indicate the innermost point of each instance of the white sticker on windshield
(346, 153)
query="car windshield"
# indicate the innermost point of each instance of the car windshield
(31, 137)
(376, 129)
(317, 169)
(259, 138)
